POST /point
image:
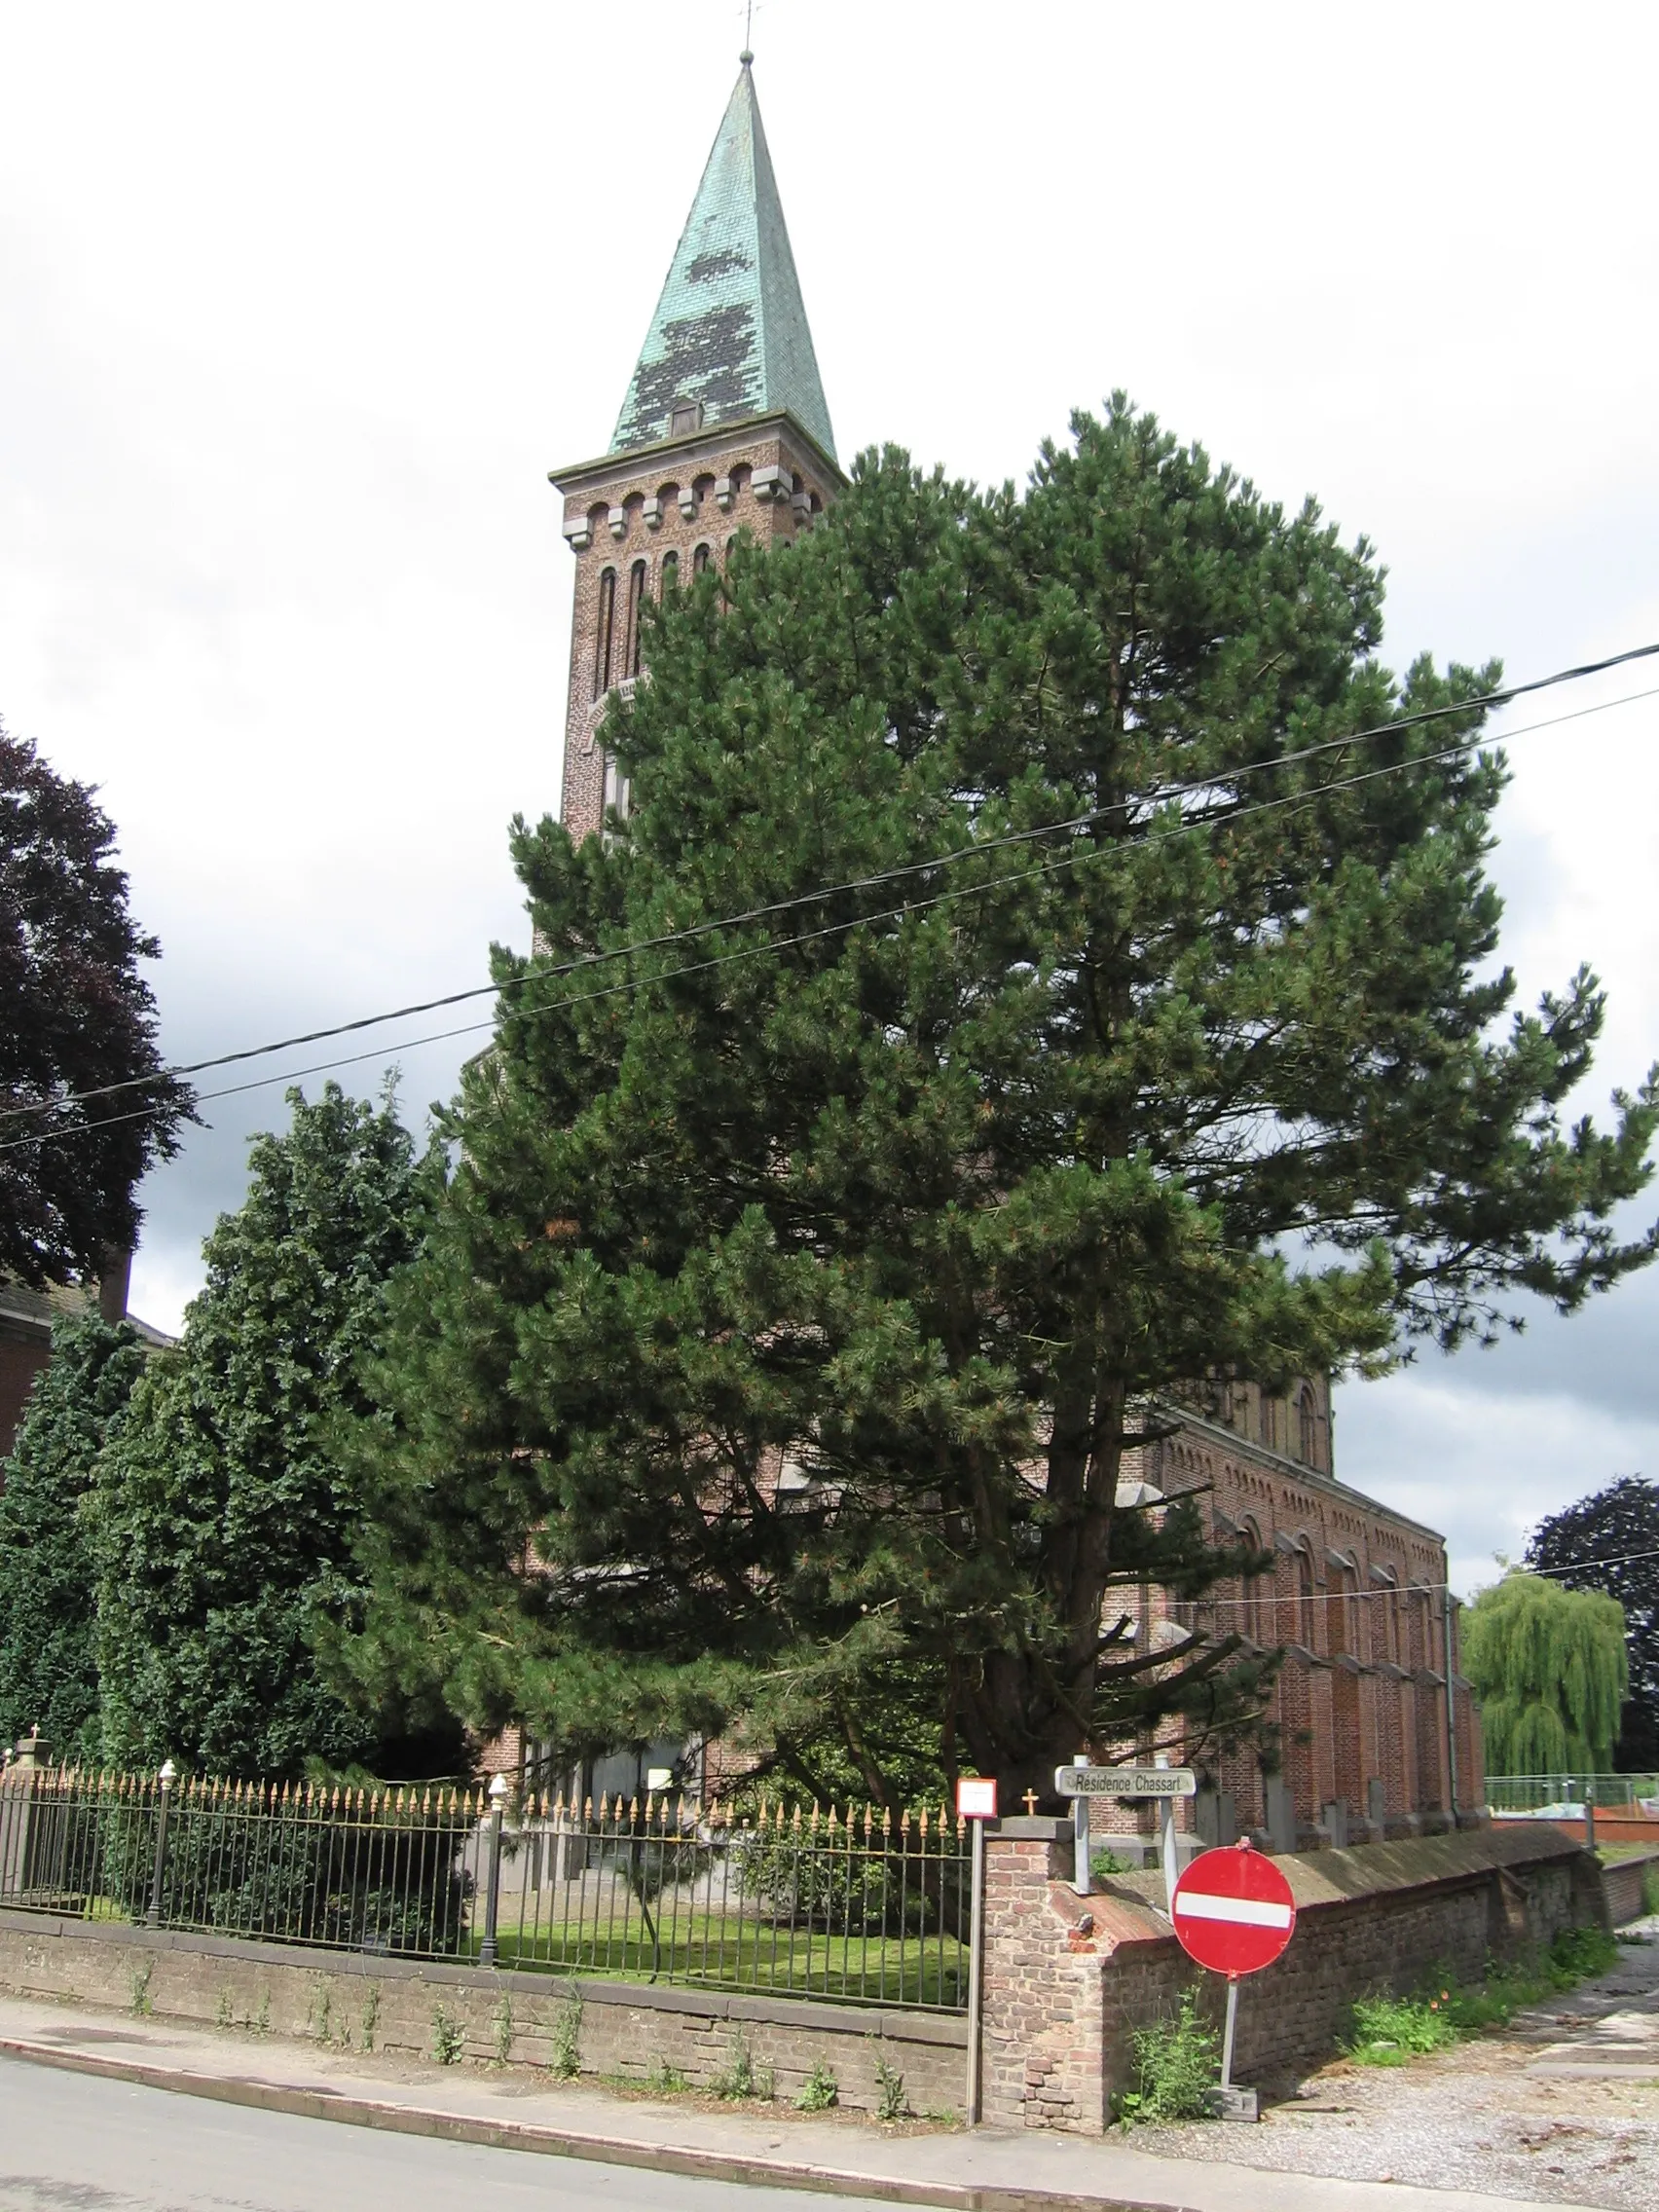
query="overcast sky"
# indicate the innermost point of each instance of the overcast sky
(299, 304)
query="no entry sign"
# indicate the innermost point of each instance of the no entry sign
(1233, 1911)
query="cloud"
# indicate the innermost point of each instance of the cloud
(300, 307)
(1482, 1465)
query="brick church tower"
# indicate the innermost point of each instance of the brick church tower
(724, 428)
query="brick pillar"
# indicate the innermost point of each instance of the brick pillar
(1055, 2040)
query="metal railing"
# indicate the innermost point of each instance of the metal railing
(1556, 1793)
(862, 1907)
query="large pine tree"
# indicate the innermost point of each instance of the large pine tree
(927, 1187)
(225, 1516)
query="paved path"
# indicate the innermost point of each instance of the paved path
(587, 2146)
(68, 2144)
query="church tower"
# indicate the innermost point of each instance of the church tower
(724, 429)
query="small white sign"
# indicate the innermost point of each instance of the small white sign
(975, 1797)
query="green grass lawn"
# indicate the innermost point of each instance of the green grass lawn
(913, 1969)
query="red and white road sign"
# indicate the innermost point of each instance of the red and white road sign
(1233, 1911)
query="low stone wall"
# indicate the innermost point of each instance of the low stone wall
(1068, 1979)
(1624, 1881)
(421, 2007)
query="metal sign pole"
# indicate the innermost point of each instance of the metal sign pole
(1166, 1843)
(975, 1973)
(1227, 2033)
(1082, 1879)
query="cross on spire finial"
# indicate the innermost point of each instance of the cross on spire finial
(747, 55)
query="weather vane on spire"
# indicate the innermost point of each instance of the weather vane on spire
(747, 55)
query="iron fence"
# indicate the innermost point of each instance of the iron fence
(863, 1906)
(1559, 1792)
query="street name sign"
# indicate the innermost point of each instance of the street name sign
(1233, 1911)
(1126, 1782)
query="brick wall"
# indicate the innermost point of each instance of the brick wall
(1355, 1598)
(1062, 1998)
(389, 2005)
(1624, 1884)
(21, 1359)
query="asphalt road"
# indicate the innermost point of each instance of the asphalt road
(73, 2143)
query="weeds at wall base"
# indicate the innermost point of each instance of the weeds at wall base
(447, 2040)
(820, 2090)
(565, 2062)
(1392, 2031)
(1177, 2062)
(891, 2101)
(742, 2077)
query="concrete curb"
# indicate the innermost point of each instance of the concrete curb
(569, 2143)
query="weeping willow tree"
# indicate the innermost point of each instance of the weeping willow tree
(1550, 1673)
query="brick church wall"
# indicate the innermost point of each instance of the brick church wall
(1355, 1596)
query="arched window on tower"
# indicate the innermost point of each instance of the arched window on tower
(604, 633)
(700, 560)
(1307, 1427)
(670, 574)
(1251, 1591)
(1307, 1630)
(636, 600)
(617, 792)
(1386, 1618)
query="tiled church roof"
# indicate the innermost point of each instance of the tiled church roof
(730, 329)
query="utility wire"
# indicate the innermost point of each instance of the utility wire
(1170, 795)
(1392, 1588)
(1288, 801)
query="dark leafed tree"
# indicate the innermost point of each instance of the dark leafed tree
(49, 1670)
(1609, 1541)
(224, 1518)
(1195, 1060)
(75, 1015)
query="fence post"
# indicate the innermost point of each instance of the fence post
(1450, 1711)
(168, 1770)
(977, 1978)
(493, 1872)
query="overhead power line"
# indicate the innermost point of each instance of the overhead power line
(1141, 803)
(1328, 1596)
(668, 940)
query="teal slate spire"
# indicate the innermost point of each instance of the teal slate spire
(730, 329)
